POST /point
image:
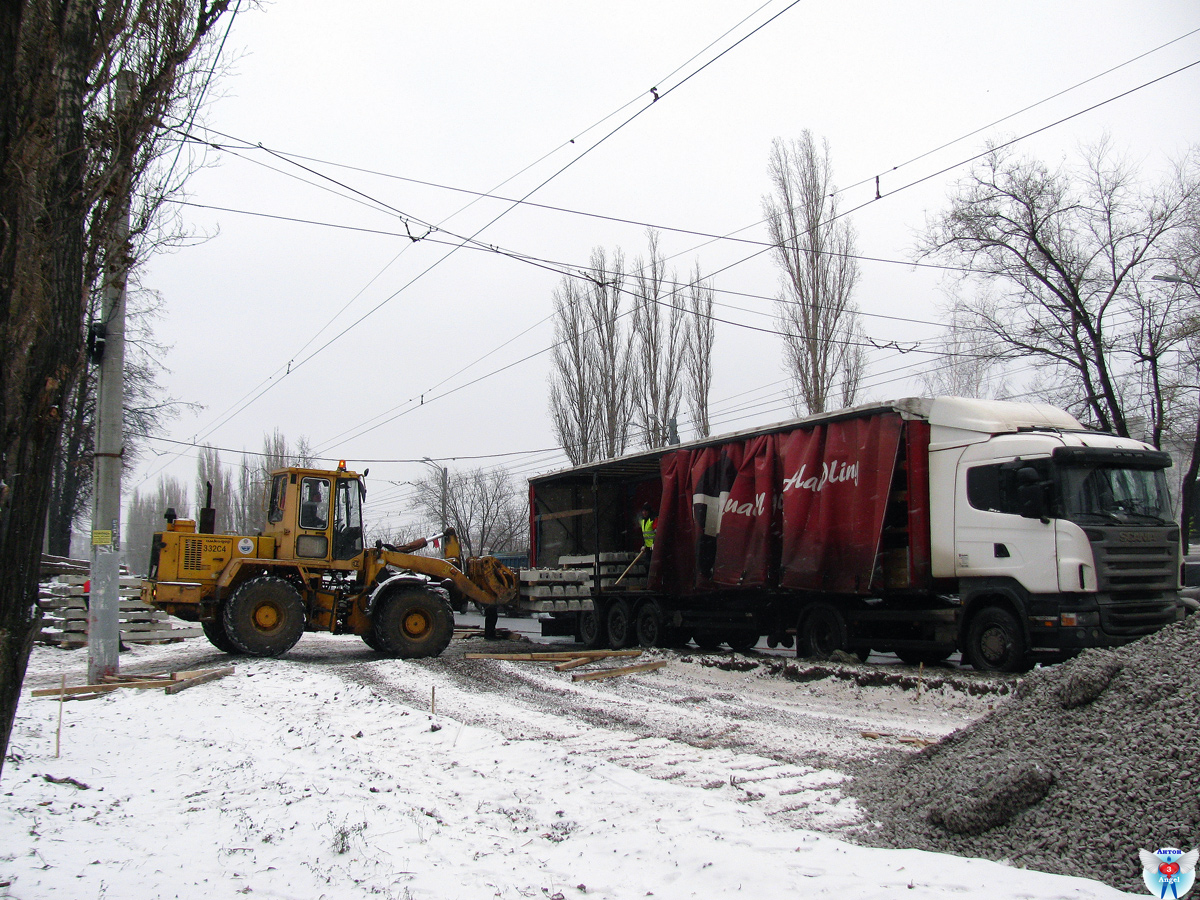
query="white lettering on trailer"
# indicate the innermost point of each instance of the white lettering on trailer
(747, 509)
(832, 472)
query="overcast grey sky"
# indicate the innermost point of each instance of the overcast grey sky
(488, 97)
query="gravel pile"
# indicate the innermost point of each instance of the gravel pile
(1086, 763)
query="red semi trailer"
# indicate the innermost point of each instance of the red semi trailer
(920, 526)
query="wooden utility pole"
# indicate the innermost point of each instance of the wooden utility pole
(104, 634)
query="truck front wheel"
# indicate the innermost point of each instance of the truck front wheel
(412, 624)
(995, 642)
(821, 631)
(264, 617)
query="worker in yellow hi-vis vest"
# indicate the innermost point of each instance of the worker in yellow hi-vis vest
(648, 523)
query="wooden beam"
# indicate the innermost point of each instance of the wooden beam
(210, 675)
(575, 663)
(94, 688)
(557, 655)
(622, 670)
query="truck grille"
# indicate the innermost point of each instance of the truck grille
(1142, 560)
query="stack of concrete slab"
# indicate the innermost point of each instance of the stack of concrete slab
(65, 615)
(612, 567)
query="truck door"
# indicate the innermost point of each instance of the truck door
(991, 537)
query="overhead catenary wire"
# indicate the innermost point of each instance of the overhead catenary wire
(893, 192)
(554, 175)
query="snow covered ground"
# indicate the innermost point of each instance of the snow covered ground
(324, 774)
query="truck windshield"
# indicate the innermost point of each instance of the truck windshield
(1097, 494)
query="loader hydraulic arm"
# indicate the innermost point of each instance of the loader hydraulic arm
(483, 579)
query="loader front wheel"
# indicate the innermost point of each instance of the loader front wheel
(264, 617)
(218, 636)
(412, 624)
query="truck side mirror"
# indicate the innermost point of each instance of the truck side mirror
(1031, 493)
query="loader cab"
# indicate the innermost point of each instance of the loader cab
(316, 515)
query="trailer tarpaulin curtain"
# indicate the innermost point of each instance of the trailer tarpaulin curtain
(835, 486)
(744, 546)
(800, 509)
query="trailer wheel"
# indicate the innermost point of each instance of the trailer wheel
(648, 624)
(264, 617)
(620, 625)
(592, 633)
(821, 631)
(707, 641)
(995, 642)
(412, 624)
(218, 636)
(741, 641)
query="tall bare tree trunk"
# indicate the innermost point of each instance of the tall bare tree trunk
(815, 251)
(46, 49)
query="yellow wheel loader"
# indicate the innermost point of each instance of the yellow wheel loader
(308, 571)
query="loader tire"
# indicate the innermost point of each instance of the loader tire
(412, 624)
(218, 636)
(264, 617)
(369, 640)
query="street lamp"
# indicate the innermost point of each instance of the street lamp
(1173, 279)
(445, 474)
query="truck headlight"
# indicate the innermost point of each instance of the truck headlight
(1080, 619)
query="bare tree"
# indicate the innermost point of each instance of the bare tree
(659, 338)
(61, 190)
(1063, 252)
(210, 471)
(590, 381)
(814, 248)
(966, 365)
(144, 516)
(700, 334)
(482, 506)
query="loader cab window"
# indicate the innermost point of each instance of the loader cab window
(347, 520)
(314, 503)
(278, 498)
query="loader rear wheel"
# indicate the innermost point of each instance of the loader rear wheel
(369, 640)
(822, 630)
(264, 617)
(218, 636)
(620, 625)
(412, 624)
